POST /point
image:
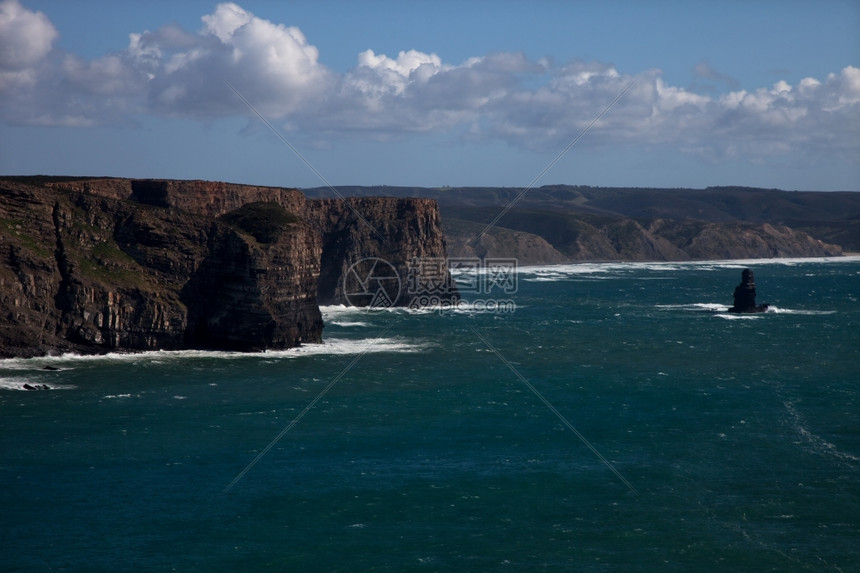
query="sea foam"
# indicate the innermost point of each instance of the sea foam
(332, 346)
(567, 271)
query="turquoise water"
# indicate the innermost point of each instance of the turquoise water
(717, 442)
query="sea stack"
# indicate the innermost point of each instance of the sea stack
(745, 295)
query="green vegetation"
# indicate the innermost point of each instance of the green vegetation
(105, 262)
(26, 240)
(263, 221)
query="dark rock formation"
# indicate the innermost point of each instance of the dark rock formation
(94, 265)
(745, 295)
(398, 231)
(36, 387)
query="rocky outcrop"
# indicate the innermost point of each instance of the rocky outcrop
(114, 264)
(744, 295)
(498, 243)
(256, 288)
(704, 240)
(405, 233)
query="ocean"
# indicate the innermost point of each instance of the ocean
(614, 418)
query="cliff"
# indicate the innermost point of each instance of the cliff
(93, 265)
(397, 231)
(498, 242)
(557, 223)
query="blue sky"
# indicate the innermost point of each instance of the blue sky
(758, 93)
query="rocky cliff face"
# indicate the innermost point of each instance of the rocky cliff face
(498, 243)
(577, 237)
(115, 264)
(701, 240)
(406, 233)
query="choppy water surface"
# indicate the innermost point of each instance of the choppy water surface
(618, 420)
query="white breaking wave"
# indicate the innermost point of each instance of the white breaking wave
(336, 314)
(333, 346)
(346, 346)
(335, 311)
(19, 383)
(722, 310)
(697, 306)
(566, 271)
(739, 315)
(339, 312)
(778, 310)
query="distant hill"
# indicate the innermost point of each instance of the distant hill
(564, 222)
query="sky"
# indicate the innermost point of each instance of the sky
(759, 93)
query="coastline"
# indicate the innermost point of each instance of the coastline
(331, 312)
(845, 257)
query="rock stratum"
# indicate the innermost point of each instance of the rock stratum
(94, 265)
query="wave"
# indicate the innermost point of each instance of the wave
(740, 316)
(778, 310)
(550, 278)
(20, 383)
(818, 444)
(564, 271)
(696, 306)
(336, 346)
(722, 310)
(334, 313)
(332, 346)
(337, 314)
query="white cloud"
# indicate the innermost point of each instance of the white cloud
(26, 38)
(821, 117)
(171, 72)
(228, 18)
(273, 65)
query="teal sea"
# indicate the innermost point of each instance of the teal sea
(618, 419)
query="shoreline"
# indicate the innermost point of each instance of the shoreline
(845, 257)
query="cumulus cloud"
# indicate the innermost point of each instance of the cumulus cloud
(271, 64)
(171, 72)
(168, 72)
(26, 37)
(823, 117)
(416, 92)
